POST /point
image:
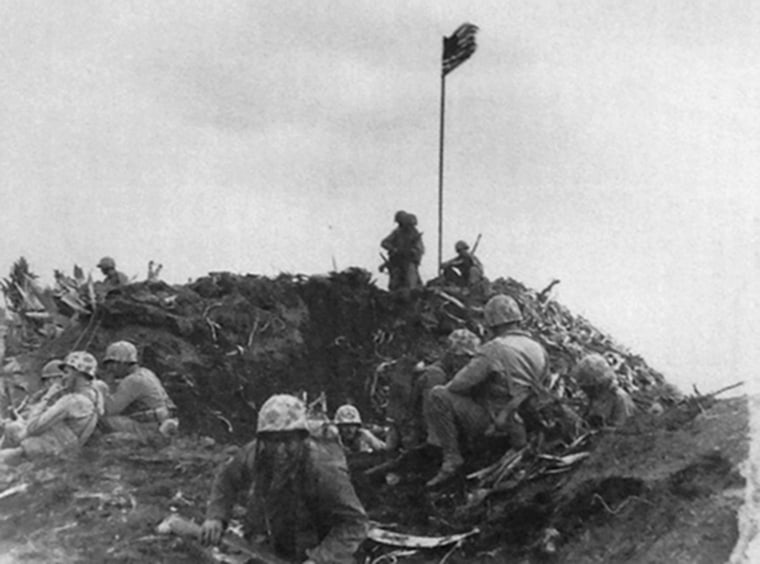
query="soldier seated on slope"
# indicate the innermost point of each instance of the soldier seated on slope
(609, 405)
(463, 270)
(140, 404)
(68, 422)
(51, 390)
(486, 395)
(462, 346)
(353, 436)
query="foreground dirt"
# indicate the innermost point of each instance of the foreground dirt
(665, 490)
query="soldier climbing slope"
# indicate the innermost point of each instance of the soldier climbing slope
(300, 492)
(405, 250)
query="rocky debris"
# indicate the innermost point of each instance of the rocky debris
(225, 342)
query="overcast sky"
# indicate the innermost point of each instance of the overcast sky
(612, 144)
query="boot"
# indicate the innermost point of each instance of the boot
(449, 469)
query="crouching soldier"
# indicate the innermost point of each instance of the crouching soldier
(463, 270)
(300, 492)
(353, 435)
(485, 396)
(462, 346)
(140, 404)
(68, 422)
(609, 405)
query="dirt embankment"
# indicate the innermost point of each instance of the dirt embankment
(662, 489)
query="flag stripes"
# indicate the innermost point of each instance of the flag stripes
(459, 47)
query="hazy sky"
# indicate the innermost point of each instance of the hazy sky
(612, 144)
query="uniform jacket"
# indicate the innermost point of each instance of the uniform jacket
(404, 244)
(333, 523)
(138, 393)
(612, 407)
(504, 371)
(71, 418)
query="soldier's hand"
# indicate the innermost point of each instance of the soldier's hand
(211, 531)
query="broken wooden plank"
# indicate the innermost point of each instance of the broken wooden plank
(20, 488)
(392, 538)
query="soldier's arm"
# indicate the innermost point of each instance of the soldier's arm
(473, 374)
(389, 243)
(371, 440)
(128, 390)
(51, 416)
(235, 476)
(349, 521)
(418, 249)
(623, 407)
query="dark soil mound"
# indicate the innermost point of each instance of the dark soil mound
(225, 342)
(660, 489)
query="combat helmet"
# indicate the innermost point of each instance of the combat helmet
(82, 362)
(502, 309)
(463, 342)
(282, 412)
(347, 415)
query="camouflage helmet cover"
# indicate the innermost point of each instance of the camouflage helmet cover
(52, 370)
(121, 351)
(282, 412)
(593, 370)
(461, 246)
(502, 309)
(463, 342)
(106, 262)
(82, 362)
(347, 415)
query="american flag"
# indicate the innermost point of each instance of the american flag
(459, 47)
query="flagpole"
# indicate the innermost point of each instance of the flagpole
(440, 169)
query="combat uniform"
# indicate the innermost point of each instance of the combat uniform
(611, 408)
(65, 425)
(115, 278)
(405, 250)
(487, 393)
(139, 404)
(330, 522)
(463, 270)
(609, 405)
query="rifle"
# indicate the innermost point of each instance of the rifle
(477, 242)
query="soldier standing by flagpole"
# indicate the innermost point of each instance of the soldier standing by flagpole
(456, 50)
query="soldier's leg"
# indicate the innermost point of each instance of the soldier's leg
(448, 414)
(415, 280)
(124, 424)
